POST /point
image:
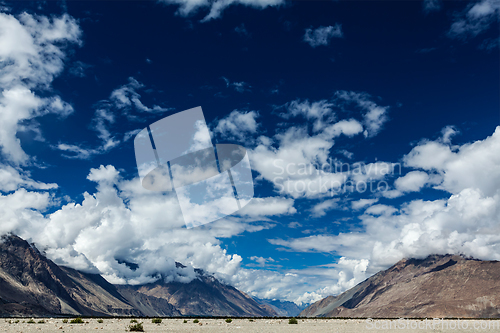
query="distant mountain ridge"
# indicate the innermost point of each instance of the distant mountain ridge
(32, 285)
(282, 308)
(439, 286)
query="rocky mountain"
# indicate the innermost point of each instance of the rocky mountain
(438, 286)
(204, 296)
(32, 285)
(282, 308)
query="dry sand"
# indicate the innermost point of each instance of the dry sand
(258, 325)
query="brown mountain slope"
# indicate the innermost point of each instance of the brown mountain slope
(204, 296)
(100, 294)
(435, 287)
(32, 285)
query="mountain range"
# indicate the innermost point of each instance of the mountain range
(33, 285)
(283, 308)
(439, 286)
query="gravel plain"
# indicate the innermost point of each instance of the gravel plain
(257, 325)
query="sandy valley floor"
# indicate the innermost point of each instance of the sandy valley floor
(258, 325)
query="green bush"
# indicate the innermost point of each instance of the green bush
(156, 320)
(292, 321)
(31, 321)
(185, 321)
(65, 321)
(133, 321)
(228, 320)
(100, 321)
(16, 322)
(250, 319)
(136, 328)
(41, 321)
(196, 321)
(76, 321)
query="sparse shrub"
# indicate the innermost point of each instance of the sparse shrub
(133, 321)
(156, 320)
(292, 321)
(16, 322)
(41, 321)
(136, 328)
(185, 321)
(100, 321)
(196, 321)
(250, 319)
(77, 320)
(31, 321)
(65, 321)
(228, 320)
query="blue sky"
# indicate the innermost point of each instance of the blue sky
(404, 94)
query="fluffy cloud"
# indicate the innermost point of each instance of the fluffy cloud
(297, 160)
(106, 174)
(216, 7)
(11, 179)
(374, 116)
(322, 35)
(475, 19)
(21, 209)
(238, 125)
(33, 48)
(32, 51)
(413, 181)
(473, 165)
(320, 209)
(121, 222)
(282, 166)
(348, 128)
(124, 223)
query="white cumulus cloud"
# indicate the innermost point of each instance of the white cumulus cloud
(32, 51)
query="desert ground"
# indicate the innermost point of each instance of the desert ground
(257, 325)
